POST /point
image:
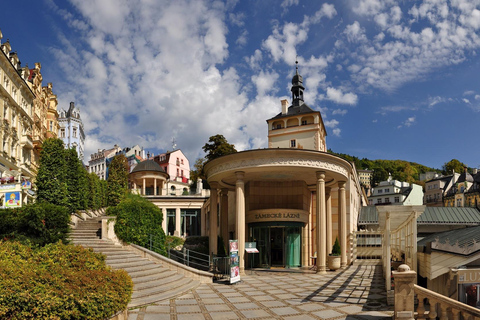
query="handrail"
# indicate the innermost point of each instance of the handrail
(445, 304)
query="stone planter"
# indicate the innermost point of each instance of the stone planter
(334, 262)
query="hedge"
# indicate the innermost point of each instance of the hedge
(137, 219)
(38, 223)
(59, 281)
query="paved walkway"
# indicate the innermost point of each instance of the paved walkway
(354, 293)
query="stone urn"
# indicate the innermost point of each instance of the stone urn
(333, 262)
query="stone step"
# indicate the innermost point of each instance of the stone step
(152, 275)
(130, 264)
(148, 291)
(152, 281)
(177, 278)
(180, 290)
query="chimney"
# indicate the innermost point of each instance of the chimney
(284, 106)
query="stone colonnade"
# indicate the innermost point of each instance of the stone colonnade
(144, 185)
(324, 220)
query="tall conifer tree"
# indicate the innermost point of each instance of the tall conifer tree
(117, 180)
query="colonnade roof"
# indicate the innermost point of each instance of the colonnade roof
(278, 164)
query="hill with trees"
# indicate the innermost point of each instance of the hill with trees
(399, 169)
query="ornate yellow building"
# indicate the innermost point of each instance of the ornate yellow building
(28, 115)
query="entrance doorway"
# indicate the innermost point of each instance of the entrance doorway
(279, 245)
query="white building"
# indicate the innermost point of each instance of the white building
(98, 161)
(394, 192)
(71, 130)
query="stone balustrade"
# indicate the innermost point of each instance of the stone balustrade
(431, 305)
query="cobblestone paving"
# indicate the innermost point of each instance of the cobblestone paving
(354, 293)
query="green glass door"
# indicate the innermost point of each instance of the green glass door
(292, 247)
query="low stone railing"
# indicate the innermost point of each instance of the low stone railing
(440, 306)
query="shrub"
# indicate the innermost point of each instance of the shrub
(201, 244)
(174, 242)
(336, 248)
(59, 281)
(137, 219)
(40, 223)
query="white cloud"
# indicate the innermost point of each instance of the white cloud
(337, 96)
(412, 43)
(331, 123)
(466, 100)
(242, 39)
(336, 132)
(288, 3)
(265, 82)
(341, 112)
(435, 100)
(407, 123)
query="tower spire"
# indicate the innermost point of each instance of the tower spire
(297, 87)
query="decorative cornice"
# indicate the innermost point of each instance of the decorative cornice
(238, 165)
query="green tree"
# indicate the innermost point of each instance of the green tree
(137, 219)
(217, 146)
(453, 165)
(117, 183)
(74, 181)
(51, 177)
(197, 172)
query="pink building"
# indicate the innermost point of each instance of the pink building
(178, 168)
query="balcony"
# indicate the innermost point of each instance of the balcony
(26, 141)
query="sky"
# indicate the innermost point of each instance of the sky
(392, 79)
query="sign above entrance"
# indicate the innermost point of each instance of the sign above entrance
(251, 247)
(268, 215)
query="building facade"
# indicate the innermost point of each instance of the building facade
(436, 188)
(365, 177)
(24, 109)
(71, 129)
(293, 199)
(177, 166)
(394, 192)
(464, 191)
(98, 161)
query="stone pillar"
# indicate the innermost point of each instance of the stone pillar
(321, 224)
(224, 216)
(135, 186)
(329, 220)
(342, 214)
(143, 187)
(154, 186)
(164, 222)
(178, 224)
(240, 215)
(305, 253)
(212, 239)
(404, 280)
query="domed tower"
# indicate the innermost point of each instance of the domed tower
(297, 126)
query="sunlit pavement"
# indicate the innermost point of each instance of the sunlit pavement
(354, 293)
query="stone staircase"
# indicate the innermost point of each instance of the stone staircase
(152, 281)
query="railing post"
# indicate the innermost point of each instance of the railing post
(404, 280)
(150, 237)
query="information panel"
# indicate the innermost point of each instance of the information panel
(234, 267)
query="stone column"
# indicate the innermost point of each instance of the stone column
(178, 224)
(224, 216)
(143, 187)
(135, 186)
(305, 254)
(342, 214)
(329, 220)
(212, 239)
(404, 280)
(240, 215)
(321, 224)
(164, 222)
(154, 186)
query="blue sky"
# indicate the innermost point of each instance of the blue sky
(392, 79)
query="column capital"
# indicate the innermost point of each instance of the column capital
(213, 184)
(341, 184)
(321, 175)
(240, 175)
(224, 191)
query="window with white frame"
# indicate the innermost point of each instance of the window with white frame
(397, 199)
(74, 132)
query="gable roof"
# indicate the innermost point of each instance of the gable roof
(295, 110)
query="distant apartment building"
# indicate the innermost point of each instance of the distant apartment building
(27, 112)
(365, 177)
(464, 191)
(177, 166)
(436, 188)
(394, 192)
(71, 130)
(98, 161)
